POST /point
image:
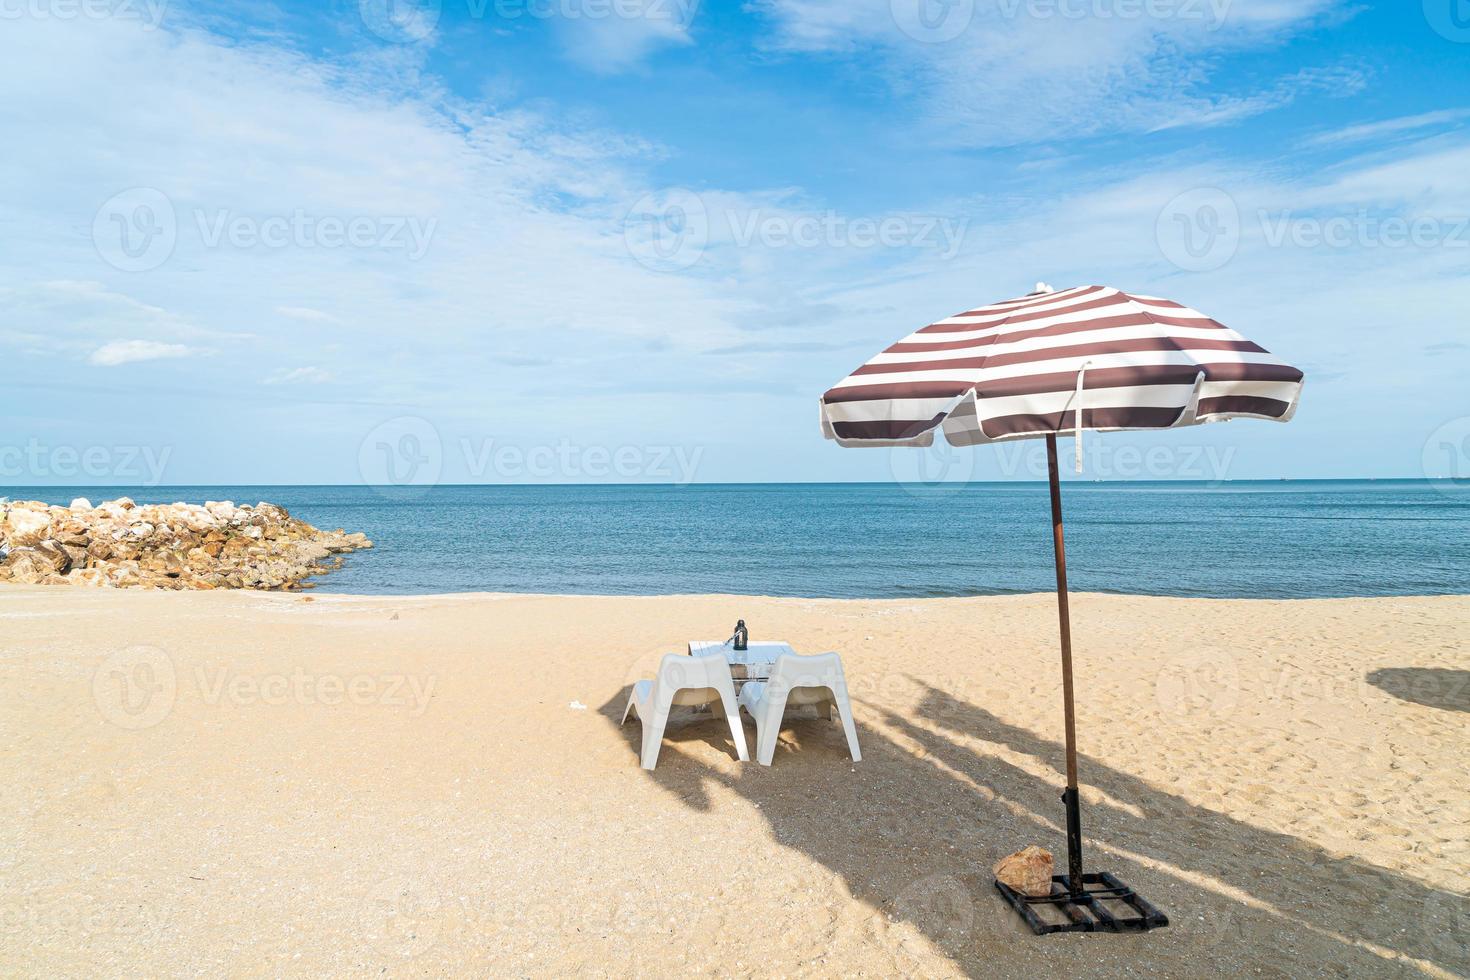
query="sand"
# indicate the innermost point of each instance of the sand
(273, 784)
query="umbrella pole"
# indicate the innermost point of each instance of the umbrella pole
(1084, 909)
(1069, 797)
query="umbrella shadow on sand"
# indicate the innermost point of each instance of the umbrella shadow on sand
(913, 830)
(1433, 687)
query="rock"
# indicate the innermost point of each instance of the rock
(24, 527)
(124, 574)
(54, 556)
(1028, 871)
(309, 551)
(73, 532)
(122, 544)
(81, 503)
(23, 568)
(164, 562)
(94, 577)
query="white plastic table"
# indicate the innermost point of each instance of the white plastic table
(753, 664)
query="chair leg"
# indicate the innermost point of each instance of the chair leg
(653, 734)
(737, 730)
(768, 729)
(844, 709)
(628, 707)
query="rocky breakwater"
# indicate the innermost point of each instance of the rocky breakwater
(216, 545)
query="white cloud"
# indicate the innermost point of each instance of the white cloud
(299, 376)
(1200, 112)
(71, 317)
(527, 212)
(128, 351)
(1003, 72)
(623, 34)
(306, 313)
(1386, 129)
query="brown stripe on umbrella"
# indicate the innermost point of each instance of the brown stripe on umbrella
(1096, 418)
(1134, 396)
(910, 389)
(1098, 379)
(886, 429)
(1243, 405)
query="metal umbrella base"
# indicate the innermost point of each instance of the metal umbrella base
(1086, 911)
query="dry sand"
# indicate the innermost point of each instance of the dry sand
(270, 784)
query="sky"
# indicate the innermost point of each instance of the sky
(413, 241)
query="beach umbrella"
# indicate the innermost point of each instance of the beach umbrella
(1048, 364)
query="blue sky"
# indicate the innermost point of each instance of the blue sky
(596, 240)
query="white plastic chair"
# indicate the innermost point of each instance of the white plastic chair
(685, 681)
(797, 680)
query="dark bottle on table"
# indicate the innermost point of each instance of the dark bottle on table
(742, 635)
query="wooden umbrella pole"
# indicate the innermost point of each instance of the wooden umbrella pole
(1074, 814)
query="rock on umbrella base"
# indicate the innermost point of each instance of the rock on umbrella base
(1104, 904)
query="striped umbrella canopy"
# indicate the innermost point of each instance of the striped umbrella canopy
(1047, 364)
(1052, 362)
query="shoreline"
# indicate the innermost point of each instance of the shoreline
(318, 594)
(326, 783)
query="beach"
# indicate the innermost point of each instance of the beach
(285, 784)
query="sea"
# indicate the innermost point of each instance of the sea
(1280, 539)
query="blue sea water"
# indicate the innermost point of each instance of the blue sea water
(1238, 539)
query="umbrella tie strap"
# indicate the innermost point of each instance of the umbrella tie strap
(1081, 374)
